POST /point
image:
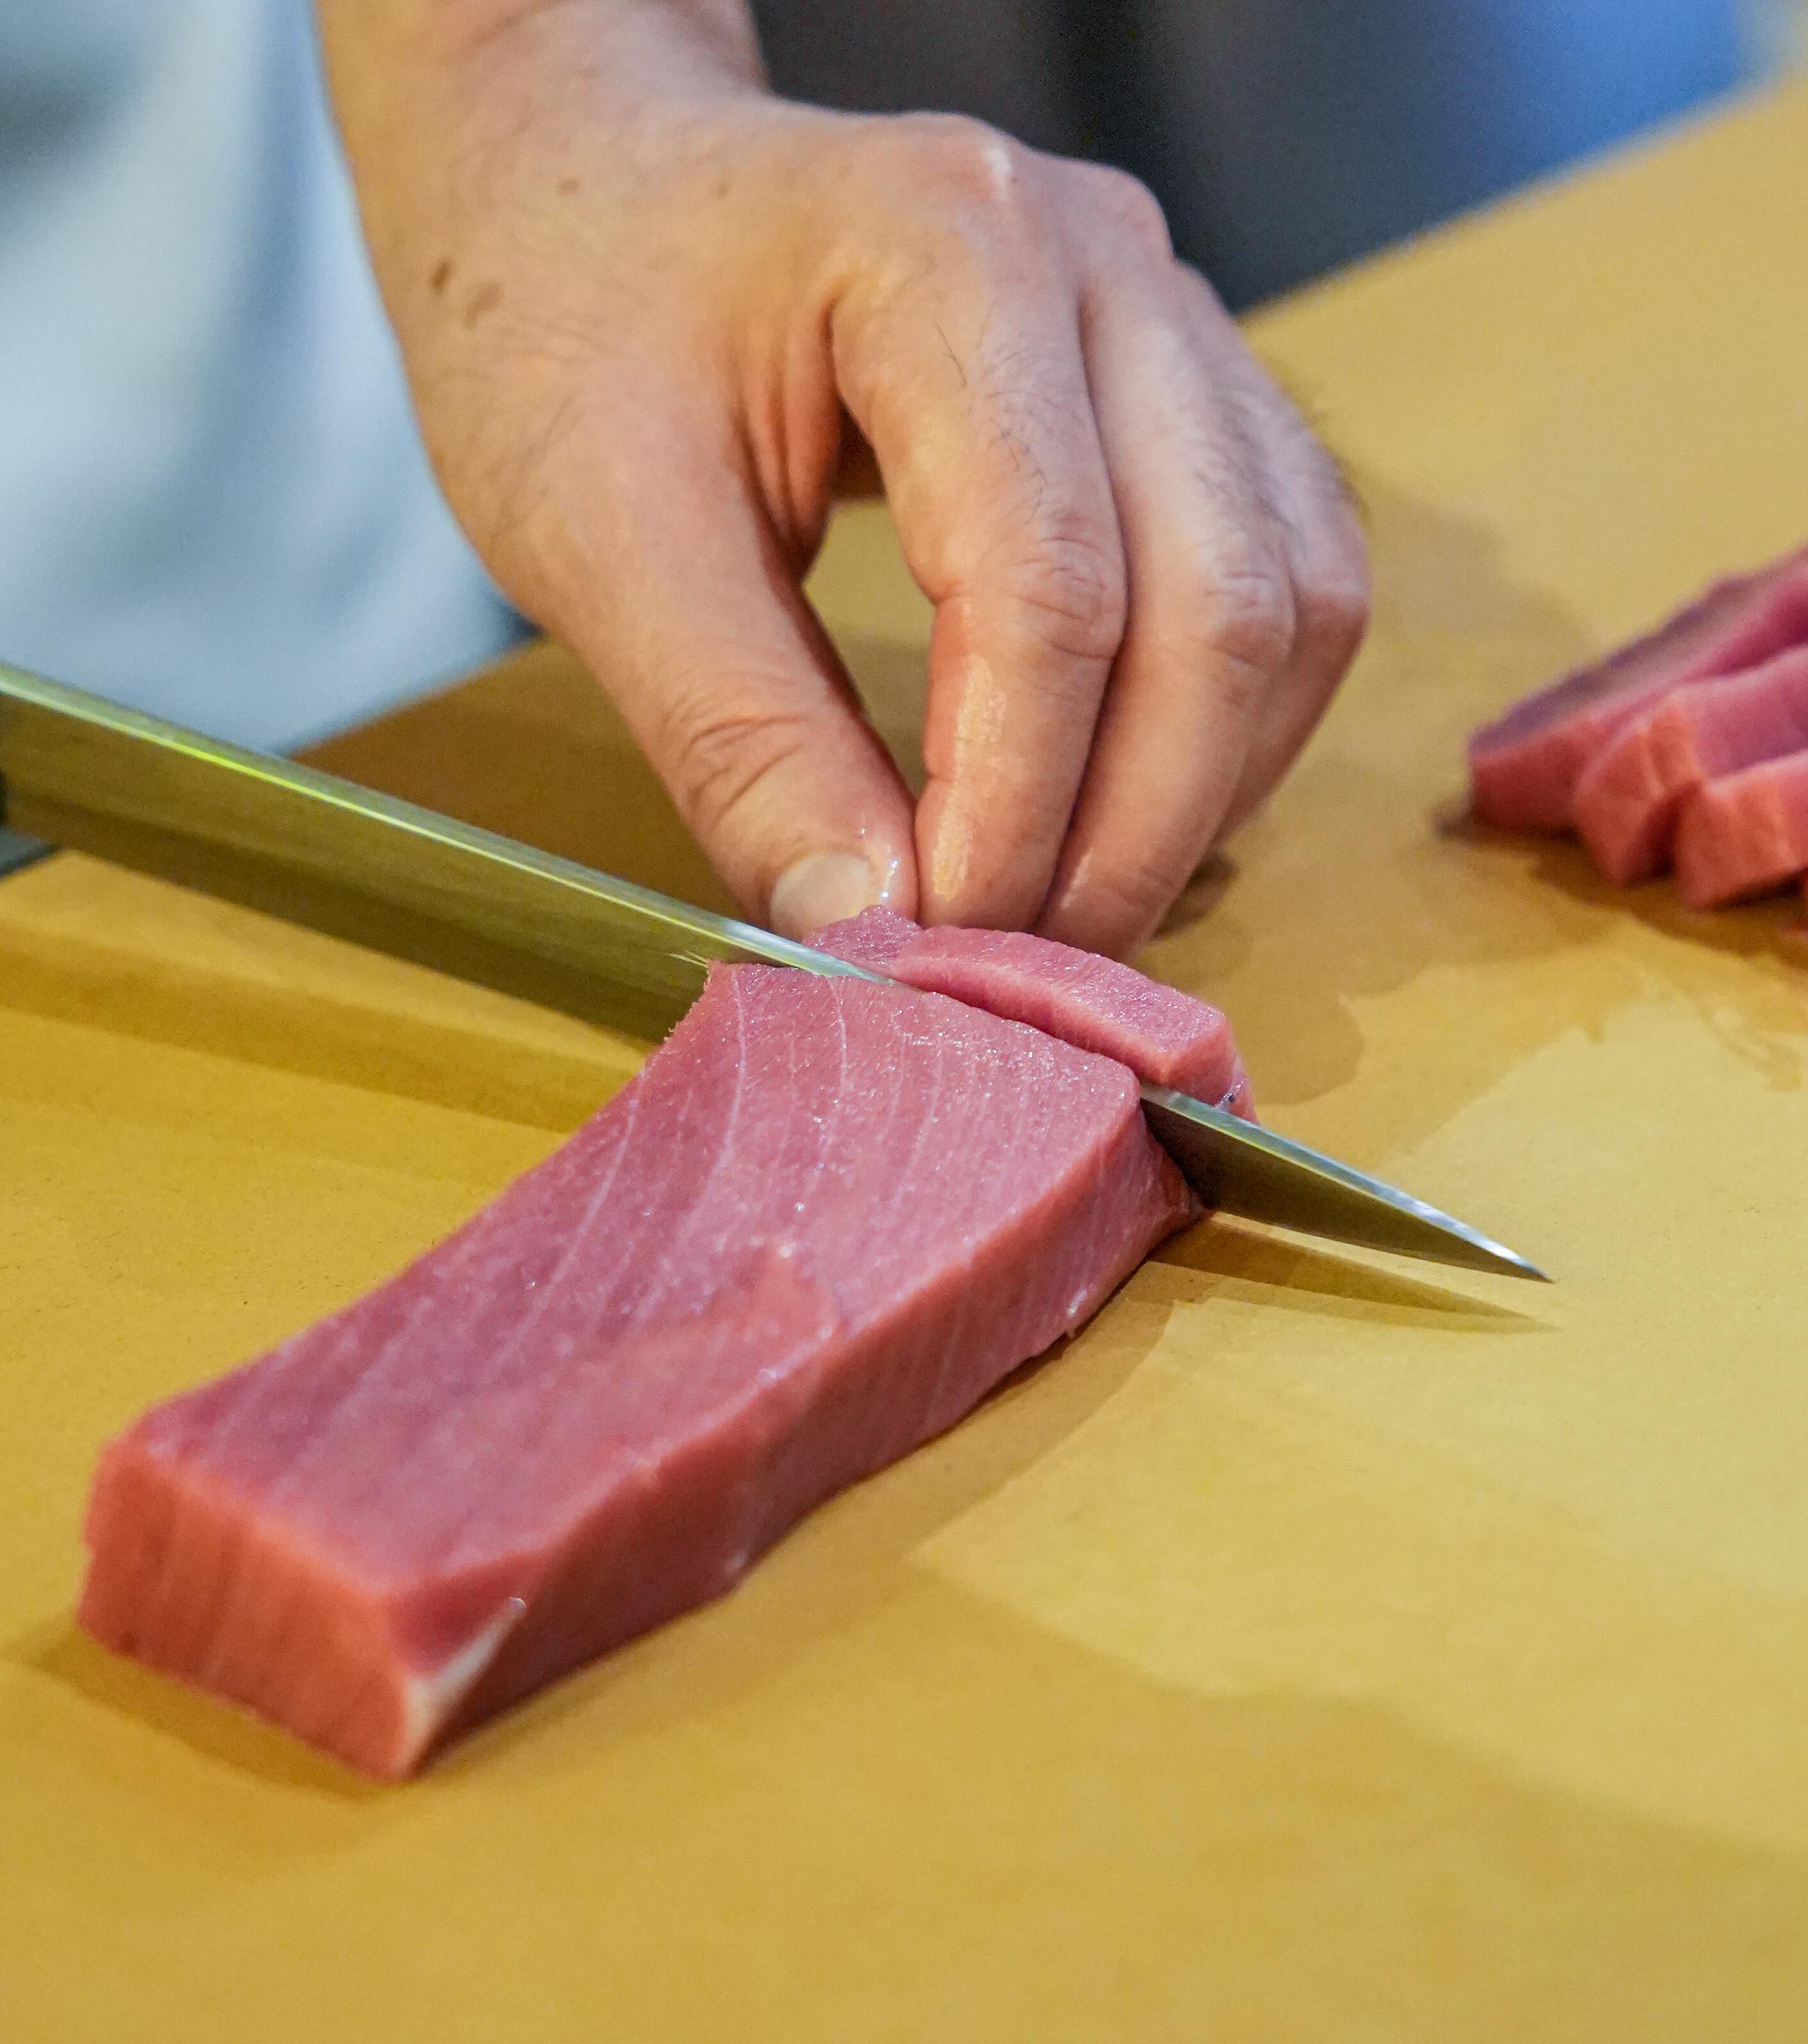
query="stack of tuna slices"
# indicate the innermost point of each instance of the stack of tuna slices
(1688, 749)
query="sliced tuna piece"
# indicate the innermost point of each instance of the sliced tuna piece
(1744, 834)
(1524, 768)
(825, 1219)
(1166, 1037)
(1630, 795)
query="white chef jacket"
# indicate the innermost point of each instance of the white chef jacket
(213, 501)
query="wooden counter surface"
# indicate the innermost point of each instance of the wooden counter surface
(1316, 1648)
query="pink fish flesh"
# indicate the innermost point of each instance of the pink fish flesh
(1628, 799)
(825, 1219)
(1745, 834)
(1166, 1037)
(1524, 768)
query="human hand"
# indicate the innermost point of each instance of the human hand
(651, 314)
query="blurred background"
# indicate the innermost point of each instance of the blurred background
(1285, 136)
(217, 506)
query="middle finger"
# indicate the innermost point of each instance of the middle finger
(1211, 618)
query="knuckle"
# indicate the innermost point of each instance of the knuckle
(1072, 589)
(1335, 612)
(1246, 621)
(1131, 210)
(1144, 883)
(1126, 896)
(968, 161)
(722, 751)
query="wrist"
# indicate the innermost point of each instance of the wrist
(435, 98)
(703, 40)
(412, 74)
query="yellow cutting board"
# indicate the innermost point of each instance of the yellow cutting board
(1316, 1647)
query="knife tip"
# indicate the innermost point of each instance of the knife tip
(1511, 1264)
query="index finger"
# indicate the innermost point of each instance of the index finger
(970, 383)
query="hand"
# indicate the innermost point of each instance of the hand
(650, 314)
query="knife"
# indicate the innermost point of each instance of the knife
(82, 773)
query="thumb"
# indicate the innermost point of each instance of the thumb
(692, 617)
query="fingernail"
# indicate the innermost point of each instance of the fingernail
(826, 887)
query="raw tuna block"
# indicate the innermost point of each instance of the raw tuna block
(1166, 1037)
(1629, 797)
(1743, 834)
(822, 1222)
(1524, 768)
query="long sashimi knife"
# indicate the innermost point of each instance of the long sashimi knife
(79, 772)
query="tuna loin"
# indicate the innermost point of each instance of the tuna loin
(1524, 768)
(1628, 800)
(1746, 833)
(825, 1219)
(1166, 1037)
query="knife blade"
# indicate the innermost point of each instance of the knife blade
(79, 772)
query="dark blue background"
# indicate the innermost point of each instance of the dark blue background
(1284, 135)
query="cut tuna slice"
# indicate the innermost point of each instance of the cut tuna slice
(1523, 767)
(1746, 833)
(1166, 1037)
(825, 1219)
(1628, 799)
